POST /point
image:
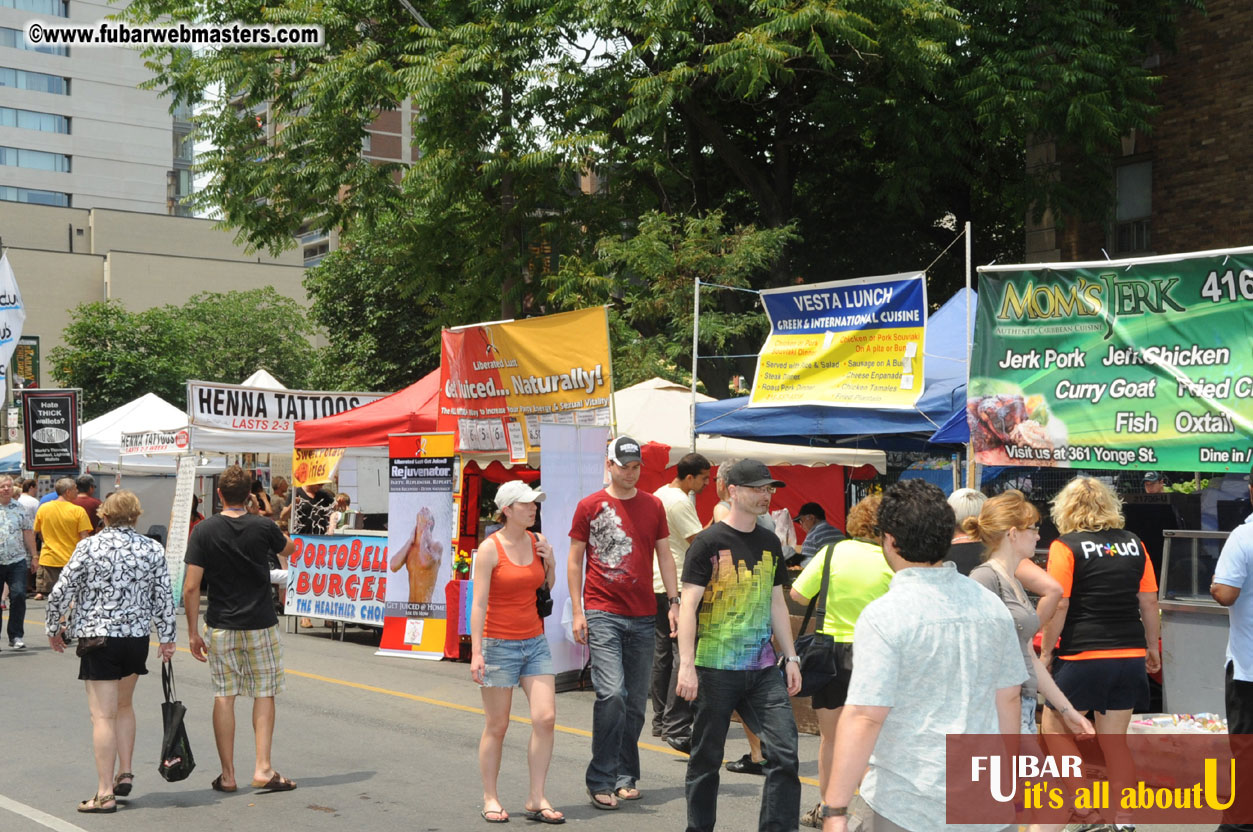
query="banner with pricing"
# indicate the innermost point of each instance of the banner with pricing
(846, 343)
(1141, 364)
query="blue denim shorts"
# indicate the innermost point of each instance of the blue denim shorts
(506, 660)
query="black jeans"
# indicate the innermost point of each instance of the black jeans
(672, 714)
(1239, 696)
(761, 698)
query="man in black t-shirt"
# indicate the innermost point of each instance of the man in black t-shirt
(732, 604)
(232, 550)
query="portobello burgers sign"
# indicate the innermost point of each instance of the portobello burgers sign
(1142, 363)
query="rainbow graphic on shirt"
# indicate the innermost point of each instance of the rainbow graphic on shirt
(733, 625)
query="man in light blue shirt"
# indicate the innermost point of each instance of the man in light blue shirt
(1231, 579)
(936, 655)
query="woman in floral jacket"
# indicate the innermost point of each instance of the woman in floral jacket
(119, 586)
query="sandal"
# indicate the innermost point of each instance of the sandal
(217, 786)
(123, 783)
(501, 817)
(277, 783)
(96, 806)
(628, 793)
(544, 814)
(601, 805)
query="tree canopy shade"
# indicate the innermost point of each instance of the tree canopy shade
(861, 125)
(116, 355)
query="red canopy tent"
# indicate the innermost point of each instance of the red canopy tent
(411, 410)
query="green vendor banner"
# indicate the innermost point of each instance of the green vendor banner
(1144, 363)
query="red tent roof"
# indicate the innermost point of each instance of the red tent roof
(411, 410)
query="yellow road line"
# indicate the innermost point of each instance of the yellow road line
(456, 706)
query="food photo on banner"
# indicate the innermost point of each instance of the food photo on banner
(420, 547)
(1138, 363)
(850, 343)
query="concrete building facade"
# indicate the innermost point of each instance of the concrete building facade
(64, 257)
(76, 130)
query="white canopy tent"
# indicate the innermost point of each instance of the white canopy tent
(660, 411)
(102, 437)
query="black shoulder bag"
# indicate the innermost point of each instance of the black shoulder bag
(817, 650)
(543, 598)
(177, 761)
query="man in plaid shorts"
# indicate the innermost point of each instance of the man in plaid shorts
(232, 550)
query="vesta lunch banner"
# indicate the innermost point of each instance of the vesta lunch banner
(498, 381)
(1122, 364)
(846, 343)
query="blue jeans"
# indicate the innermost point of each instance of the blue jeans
(14, 574)
(761, 698)
(622, 656)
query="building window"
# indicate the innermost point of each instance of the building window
(22, 157)
(33, 81)
(34, 196)
(365, 143)
(314, 253)
(31, 120)
(1133, 189)
(56, 8)
(16, 39)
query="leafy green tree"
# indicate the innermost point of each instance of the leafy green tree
(871, 128)
(116, 355)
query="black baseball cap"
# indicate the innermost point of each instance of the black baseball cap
(811, 509)
(752, 473)
(624, 450)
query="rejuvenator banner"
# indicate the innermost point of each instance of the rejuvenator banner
(497, 380)
(1129, 779)
(420, 523)
(339, 577)
(847, 343)
(1125, 364)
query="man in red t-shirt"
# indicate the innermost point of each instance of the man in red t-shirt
(86, 499)
(618, 531)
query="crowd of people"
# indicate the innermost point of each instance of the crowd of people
(915, 589)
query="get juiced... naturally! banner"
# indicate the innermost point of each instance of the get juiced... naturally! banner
(849, 343)
(1124, 364)
(498, 380)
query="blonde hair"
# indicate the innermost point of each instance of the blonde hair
(1087, 505)
(121, 508)
(966, 502)
(1007, 510)
(863, 519)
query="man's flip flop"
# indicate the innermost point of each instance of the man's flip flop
(501, 817)
(277, 783)
(599, 805)
(628, 793)
(217, 786)
(538, 815)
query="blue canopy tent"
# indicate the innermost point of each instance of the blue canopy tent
(11, 458)
(946, 355)
(956, 431)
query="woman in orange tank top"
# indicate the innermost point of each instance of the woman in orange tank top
(508, 646)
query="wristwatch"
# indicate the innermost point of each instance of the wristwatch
(796, 659)
(675, 600)
(833, 811)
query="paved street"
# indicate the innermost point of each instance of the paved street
(377, 745)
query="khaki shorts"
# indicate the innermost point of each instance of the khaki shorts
(245, 662)
(861, 818)
(46, 579)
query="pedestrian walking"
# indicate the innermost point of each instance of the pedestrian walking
(858, 574)
(17, 553)
(617, 532)
(733, 603)
(119, 585)
(233, 550)
(509, 648)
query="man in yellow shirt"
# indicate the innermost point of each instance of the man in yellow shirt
(62, 524)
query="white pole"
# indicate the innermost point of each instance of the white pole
(970, 448)
(695, 340)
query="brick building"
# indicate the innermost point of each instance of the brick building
(1186, 186)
